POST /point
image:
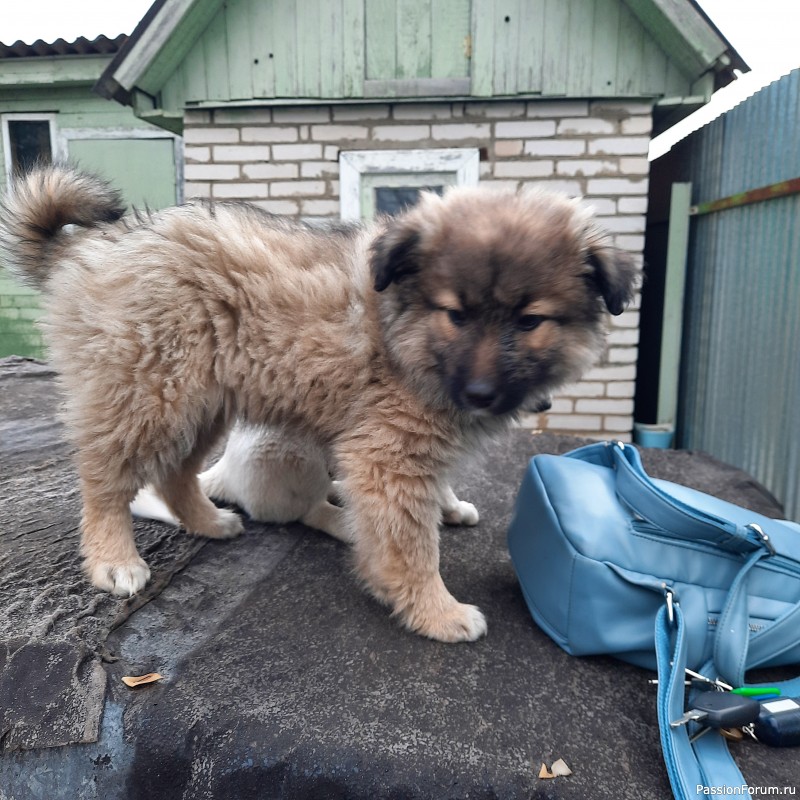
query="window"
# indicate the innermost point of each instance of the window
(27, 139)
(387, 181)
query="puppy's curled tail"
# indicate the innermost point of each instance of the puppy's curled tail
(38, 205)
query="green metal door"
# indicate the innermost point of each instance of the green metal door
(142, 169)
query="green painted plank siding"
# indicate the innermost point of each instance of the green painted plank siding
(450, 26)
(554, 70)
(215, 51)
(381, 39)
(305, 45)
(194, 74)
(581, 59)
(262, 58)
(630, 52)
(240, 66)
(330, 49)
(654, 68)
(566, 48)
(413, 39)
(506, 17)
(483, 38)
(331, 44)
(284, 23)
(605, 41)
(354, 59)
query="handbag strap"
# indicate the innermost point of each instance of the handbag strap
(706, 762)
(736, 650)
(677, 519)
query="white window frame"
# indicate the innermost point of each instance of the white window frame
(56, 149)
(461, 165)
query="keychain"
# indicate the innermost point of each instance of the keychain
(758, 711)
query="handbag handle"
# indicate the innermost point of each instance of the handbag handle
(676, 519)
(706, 762)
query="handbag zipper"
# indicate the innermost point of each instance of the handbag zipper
(753, 626)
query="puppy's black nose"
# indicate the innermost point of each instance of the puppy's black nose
(480, 393)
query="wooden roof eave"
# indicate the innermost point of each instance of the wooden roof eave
(690, 39)
(51, 71)
(155, 49)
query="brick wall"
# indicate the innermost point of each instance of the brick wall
(19, 310)
(285, 160)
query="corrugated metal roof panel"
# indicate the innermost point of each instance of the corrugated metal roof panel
(82, 46)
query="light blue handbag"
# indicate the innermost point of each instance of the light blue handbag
(611, 561)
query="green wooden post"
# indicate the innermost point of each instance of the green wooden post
(672, 321)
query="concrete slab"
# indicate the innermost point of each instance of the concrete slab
(282, 679)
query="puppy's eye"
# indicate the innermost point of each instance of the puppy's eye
(529, 322)
(456, 316)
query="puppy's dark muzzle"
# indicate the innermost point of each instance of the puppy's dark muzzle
(541, 405)
(480, 394)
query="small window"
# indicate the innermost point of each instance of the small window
(392, 200)
(28, 140)
(388, 181)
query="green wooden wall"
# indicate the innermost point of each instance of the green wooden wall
(353, 49)
(75, 107)
(407, 39)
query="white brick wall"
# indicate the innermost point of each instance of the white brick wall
(285, 159)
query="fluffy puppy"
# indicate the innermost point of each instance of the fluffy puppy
(395, 346)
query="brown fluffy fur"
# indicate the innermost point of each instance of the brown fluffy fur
(396, 346)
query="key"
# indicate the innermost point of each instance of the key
(720, 710)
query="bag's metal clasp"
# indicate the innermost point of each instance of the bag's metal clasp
(669, 597)
(765, 540)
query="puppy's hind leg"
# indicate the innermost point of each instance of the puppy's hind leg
(329, 519)
(182, 493)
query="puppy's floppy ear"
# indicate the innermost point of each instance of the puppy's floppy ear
(395, 253)
(614, 273)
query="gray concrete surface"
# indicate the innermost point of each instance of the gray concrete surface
(282, 679)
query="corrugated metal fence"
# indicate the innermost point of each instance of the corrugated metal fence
(740, 381)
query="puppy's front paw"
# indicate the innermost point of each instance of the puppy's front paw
(458, 623)
(463, 514)
(123, 580)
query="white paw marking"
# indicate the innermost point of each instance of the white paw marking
(123, 580)
(474, 623)
(229, 524)
(464, 514)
